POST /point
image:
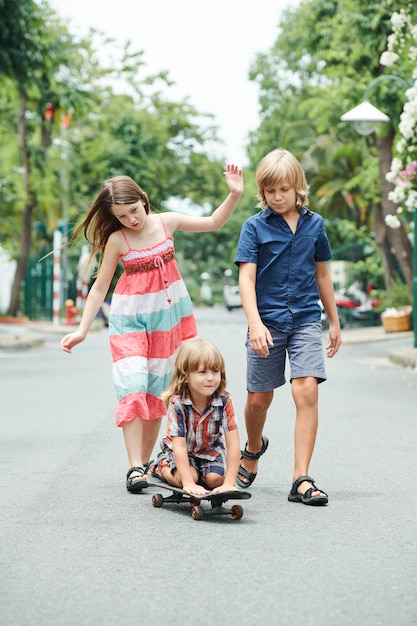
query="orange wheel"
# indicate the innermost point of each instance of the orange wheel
(197, 512)
(237, 511)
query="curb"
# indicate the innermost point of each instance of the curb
(24, 341)
(407, 357)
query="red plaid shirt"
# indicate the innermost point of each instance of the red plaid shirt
(204, 432)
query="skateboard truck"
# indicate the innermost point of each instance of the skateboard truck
(198, 512)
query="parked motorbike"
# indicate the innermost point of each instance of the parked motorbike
(355, 305)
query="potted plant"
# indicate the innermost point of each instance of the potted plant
(396, 306)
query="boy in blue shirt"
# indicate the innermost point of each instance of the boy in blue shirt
(282, 257)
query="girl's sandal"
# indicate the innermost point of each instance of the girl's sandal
(135, 484)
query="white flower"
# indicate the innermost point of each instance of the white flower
(388, 58)
(398, 20)
(411, 202)
(397, 195)
(403, 173)
(392, 221)
(396, 167)
(412, 53)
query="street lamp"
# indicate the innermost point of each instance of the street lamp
(366, 118)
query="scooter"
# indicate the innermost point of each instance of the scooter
(355, 306)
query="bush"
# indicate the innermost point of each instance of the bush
(399, 294)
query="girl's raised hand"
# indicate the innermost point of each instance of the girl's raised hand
(234, 179)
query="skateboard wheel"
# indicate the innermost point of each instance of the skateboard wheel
(157, 500)
(237, 511)
(197, 512)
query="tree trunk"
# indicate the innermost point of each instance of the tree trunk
(396, 238)
(381, 240)
(25, 242)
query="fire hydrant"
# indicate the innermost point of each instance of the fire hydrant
(71, 311)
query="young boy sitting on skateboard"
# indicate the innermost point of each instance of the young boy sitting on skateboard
(201, 428)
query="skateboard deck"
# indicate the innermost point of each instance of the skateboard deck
(198, 512)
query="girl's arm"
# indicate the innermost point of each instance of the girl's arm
(326, 291)
(96, 295)
(232, 461)
(179, 221)
(179, 447)
(259, 334)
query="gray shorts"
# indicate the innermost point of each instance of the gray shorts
(304, 347)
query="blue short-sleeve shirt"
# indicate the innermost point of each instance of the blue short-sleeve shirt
(286, 287)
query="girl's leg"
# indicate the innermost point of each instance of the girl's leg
(305, 394)
(150, 432)
(140, 437)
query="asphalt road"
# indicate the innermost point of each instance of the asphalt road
(77, 549)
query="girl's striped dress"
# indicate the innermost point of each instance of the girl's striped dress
(150, 316)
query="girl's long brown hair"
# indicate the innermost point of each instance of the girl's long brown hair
(100, 222)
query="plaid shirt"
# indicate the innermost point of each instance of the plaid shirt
(204, 432)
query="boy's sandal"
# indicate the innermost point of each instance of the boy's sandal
(245, 454)
(135, 484)
(307, 497)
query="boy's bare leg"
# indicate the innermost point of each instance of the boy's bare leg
(305, 394)
(256, 409)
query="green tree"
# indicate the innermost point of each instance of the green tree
(78, 126)
(326, 54)
(36, 54)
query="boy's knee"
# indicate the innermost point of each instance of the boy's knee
(213, 480)
(259, 402)
(305, 389)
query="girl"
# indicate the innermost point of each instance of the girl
(200, 423)
(151, 311)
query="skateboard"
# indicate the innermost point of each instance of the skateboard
(198, 512)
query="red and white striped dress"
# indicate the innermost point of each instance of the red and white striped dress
(150, 316)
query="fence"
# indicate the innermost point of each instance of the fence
(38, 289)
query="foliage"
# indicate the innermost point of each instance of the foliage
(324, 58)
(84, 122)
(398, 295)
(402, 47)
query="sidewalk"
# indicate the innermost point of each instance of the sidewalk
(32, 334)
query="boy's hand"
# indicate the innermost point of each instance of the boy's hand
(335, 342)
(195, 489)
(225, 487)
(260, 338)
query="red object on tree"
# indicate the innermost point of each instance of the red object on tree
(49, 111)
(66, 120)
